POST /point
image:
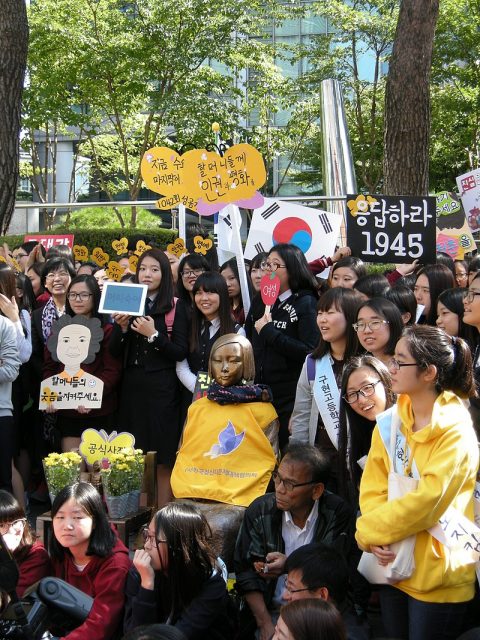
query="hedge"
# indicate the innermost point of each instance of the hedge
(103, 238)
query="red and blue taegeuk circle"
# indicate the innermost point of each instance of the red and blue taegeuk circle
(294, 231)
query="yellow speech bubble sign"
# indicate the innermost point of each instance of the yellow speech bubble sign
(97, 445)
(120, 246)
(114, 271)
(162, 172)
(132, 263)
(202, 245)
(141, 248)
(80, 252)
(214, 181)
(177, 248)
(100, 257)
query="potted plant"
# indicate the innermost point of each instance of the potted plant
(61, 470)
(122, 476)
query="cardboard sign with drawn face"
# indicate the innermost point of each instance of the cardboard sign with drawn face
(73, 342)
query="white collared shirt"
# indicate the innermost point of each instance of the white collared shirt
(293, 538)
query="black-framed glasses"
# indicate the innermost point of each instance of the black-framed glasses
(367, 390)
(395, 365)
(150, 537)
(372, 325)
(187, 273)
(273, 266)
(469, 296)
(287, 588)
(5, 527)
(288, 484)
(83, 295)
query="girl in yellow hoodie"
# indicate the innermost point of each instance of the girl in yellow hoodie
(432, 440)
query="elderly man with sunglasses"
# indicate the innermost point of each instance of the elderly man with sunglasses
(300, 511)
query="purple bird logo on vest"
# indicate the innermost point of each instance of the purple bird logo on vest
(228, 442)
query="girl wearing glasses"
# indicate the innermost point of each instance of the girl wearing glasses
(379, 326)
(365, 393)
(282, 338)
(177, 578)
(83, 299)
(87, 554)
(317, 402)
(427, 437)
(189, 269)
(31, 557)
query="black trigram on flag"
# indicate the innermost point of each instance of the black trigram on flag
(270, 211)
(259, 247)
(227, 220)
(327, 227)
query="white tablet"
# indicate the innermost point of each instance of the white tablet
(123, 297)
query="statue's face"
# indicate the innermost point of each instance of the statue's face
(227, 364)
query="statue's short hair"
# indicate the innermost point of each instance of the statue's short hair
(247, 353)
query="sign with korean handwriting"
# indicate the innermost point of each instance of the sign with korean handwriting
(398, 229)
(202, 383)
(98, 445)
(73, 342)
(453, 233)
(468, 186)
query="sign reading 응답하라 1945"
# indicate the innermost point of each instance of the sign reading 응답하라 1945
(398, 229)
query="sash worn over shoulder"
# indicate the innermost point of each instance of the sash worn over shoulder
(454, 530)
(327, 396)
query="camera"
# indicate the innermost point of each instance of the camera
(48, 605)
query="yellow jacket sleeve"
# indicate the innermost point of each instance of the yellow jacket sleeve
(447, 460)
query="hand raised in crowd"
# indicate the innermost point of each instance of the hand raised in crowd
(36, 255)
(341, 252)
(9, 308)
(144, 325)
(143, 564)
(123, 320)
(406, 269)
(261, 322)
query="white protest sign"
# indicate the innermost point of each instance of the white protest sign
(313, 231)
(468, 185)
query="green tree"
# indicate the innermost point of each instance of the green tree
(455, 90)
(13, 54)
(128, 75)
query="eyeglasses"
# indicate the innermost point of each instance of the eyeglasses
(273, 266)
(367, 390)
(288, 484)
(5, 527)
(373, 325)
(395, 365)
(150, 537)
(287, 588)
(461, 276)
(469, 296)
(83, 295)
(57, 274)
(192, 272)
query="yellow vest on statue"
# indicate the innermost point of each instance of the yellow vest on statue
(225, 455)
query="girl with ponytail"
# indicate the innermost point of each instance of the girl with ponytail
(429, 440)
